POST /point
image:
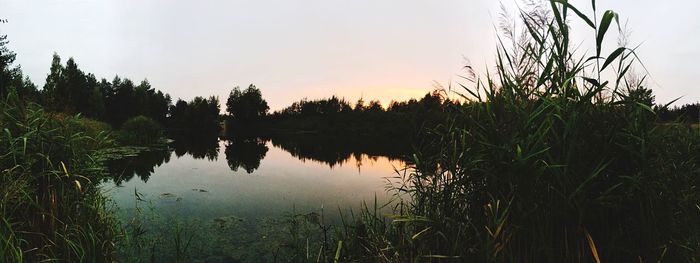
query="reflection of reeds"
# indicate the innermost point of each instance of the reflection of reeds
(547, 162)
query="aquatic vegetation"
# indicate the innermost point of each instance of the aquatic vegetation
(547, 162)
(151, 235)
(52, 207)
(167, 195)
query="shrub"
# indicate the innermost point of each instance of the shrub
(140, 130)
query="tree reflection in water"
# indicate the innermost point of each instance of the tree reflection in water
(245, 153)
(199, 145)
(332, 150)
(142, 165)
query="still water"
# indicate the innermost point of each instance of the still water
(234, 201)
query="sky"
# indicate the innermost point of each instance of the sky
(294, 49)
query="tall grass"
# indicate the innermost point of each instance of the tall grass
(51, 208)
(550, 161)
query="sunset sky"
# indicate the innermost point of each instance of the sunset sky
(377, 49)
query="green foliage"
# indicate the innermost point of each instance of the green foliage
(140, 130)
(69, 89)
(12, 79)
(50, 205)
(548, 164)
(7, 57)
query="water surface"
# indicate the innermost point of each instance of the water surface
(235, 199)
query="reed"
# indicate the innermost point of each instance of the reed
(51, 207)
(556, 157)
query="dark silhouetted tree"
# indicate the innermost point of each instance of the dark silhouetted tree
(53, 91)
(247, 105)
(641, 95)
(374, 106)
(359, 106)
(198, 115)
(7, 57)
(22, 85)
(12, 77)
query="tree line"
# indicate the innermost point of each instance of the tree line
(335, 122)
(688, 113)
(71, 90)
(435, 100)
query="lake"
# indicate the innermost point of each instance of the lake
(241, 201)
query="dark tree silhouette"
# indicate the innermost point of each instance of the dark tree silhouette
(198, 115)
(7, 57)
(247, 105)
(642, 95)
(69, 89)
(12, 78)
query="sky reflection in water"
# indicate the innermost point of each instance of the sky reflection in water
(250, 179)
